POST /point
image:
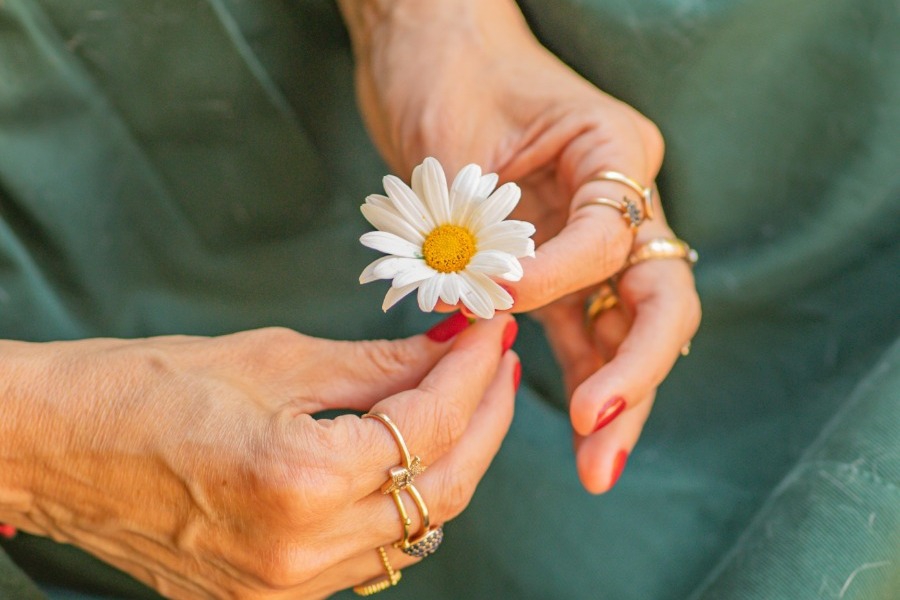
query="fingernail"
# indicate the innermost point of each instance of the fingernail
(448, 328)
(609, 411)
(509, 335)
(618, 466)
(464, 310)
(7, 531)
(511, 292)
(517, 375)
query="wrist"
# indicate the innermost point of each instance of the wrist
(378, 23)
(21, 378)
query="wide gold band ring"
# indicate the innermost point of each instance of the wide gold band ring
(664, 247)
(393, 577)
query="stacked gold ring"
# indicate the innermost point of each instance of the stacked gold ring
(633, 214)
(401, 478)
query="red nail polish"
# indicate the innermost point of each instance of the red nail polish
(517, 375)
(449, 327)
(7, 531)
(609, 411)
(618, 466)
(509, 335)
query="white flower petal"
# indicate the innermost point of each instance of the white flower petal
(486, 185)
(500, 297)
(496, 208)
(394, 295)
(416, 182)
(429, 292)
(381, 201)
(496, 263)
(436, 197)
(390, 244)
(451, 288)
(474, 295)
(391, 222)
(416, 273)
(508, 236)
(463, 191)
(409, 205)
(392, 266)
(518, 247)
(519, 229)
(368, 275)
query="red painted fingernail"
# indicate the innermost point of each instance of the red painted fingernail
(517, 375)
(509, 335)
(618, 466)
(7, 531)
(448, 328)
(609, 411)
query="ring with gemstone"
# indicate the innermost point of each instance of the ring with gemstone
(646, 193)
(629, 209)
(425, 544)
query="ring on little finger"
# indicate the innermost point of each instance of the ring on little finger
(429, 538)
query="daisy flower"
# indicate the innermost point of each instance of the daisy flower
(447, 244)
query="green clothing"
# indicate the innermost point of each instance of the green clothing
(196, 166)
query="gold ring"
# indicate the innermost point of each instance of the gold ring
(404, 474)
(393, 577)
(666, 247)
(630, 211)
(686, 349)
(603, 299)
(646, 193)
(427, 540)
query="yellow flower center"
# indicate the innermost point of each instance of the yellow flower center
(449, 248)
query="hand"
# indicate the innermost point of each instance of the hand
(195, 465)
(465, 81)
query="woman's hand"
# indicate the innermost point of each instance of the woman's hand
(195, 465)
(465, 81)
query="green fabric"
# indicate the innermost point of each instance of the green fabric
(195, 166)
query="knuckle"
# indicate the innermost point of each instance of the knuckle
(653, 141)
(448, 420)
(388, 359)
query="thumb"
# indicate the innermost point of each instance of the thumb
(356, 375)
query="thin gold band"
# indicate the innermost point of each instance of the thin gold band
(646, 193)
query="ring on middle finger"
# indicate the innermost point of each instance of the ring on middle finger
(405, 473)
(428, 538)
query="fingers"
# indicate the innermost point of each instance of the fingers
(601, 456)
(448, 484)
(435, 415)
(666, 315)
(589, 249)
(315, 374)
